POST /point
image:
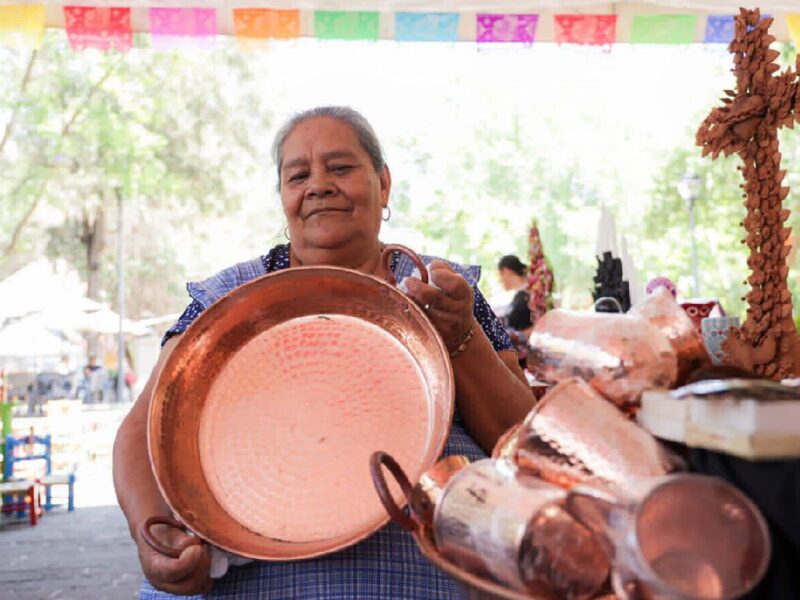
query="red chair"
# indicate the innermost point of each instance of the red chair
(20, 497)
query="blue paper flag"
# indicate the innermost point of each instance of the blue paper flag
(426, 27)
(719, 29)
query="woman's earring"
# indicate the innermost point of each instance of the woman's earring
(388, 214)
(286, 232)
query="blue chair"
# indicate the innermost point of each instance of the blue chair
(41, 450)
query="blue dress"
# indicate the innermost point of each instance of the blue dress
(387, 564)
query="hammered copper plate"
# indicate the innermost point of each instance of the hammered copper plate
(267, 411)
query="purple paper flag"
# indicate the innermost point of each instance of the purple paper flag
(506, 28)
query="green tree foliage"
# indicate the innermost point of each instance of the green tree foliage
(502, 175)
(722, 257)
(171, 132)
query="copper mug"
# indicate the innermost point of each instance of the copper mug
(684, 537)
(715, 330)
(574, 435)
(494, 522)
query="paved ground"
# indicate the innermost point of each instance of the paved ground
(82, 555)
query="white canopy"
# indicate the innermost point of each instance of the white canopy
(29, 340)
(101, 320)
(48, 296)
(43, 285)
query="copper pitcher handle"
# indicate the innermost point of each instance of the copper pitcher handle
(376, 462)
(389, 249)
(610, 298)
(153, 542)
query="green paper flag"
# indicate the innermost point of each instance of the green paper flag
(345, 25)
(663, 29)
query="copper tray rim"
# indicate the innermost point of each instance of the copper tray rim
(155, 458)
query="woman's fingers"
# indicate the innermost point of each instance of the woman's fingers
(187, 574)
(430, 297)
(450, 282)
(449, 305)
(173, 570)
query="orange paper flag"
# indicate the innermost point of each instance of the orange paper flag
(21, 24)
(254, 26)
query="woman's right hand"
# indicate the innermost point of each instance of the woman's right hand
(188, 574)
(140, 499)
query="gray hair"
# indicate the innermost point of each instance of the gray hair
(357, 122)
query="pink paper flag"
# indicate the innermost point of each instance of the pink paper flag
(506, 28)
(182, 27)
(102, 28)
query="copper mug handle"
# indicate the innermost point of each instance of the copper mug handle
(376, 463)
(153, 542)
(389, 249)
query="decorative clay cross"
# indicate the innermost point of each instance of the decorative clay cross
(747, 123)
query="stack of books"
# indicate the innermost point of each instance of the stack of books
(754, 419)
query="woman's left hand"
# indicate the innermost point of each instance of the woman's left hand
(449, 307)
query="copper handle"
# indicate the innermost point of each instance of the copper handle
(158, 546)
(387, 256)
(610, 298)
(376, 462)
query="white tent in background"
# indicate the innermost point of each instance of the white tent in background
(71, 319)
(41, 286)
(106, 320)
(629, 273)
(27, 346)
(44, 312)
(27, 340)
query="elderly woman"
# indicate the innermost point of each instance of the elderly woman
(334, 187)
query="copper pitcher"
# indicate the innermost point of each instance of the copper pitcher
(661, 309)
(618, 355)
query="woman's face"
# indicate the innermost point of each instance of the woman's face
(330, 191)
(508, 279)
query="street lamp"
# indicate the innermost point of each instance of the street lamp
(689, 189)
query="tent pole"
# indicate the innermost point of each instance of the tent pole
(120, 297)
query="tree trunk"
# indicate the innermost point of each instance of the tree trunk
(92, 239)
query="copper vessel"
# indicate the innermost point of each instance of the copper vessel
(573, 435)
(265, 415)
(618, 355)
(679, 537)
(498, 524)
(429, 490)
(661, 309)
